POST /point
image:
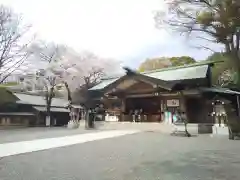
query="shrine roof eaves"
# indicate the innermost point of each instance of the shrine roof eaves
(192, 71)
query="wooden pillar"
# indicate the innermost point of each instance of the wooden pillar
(123, 107)
(8, 121)
(162, 109)
(238, 105)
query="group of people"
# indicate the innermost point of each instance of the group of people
(176, 115)
(136, 115)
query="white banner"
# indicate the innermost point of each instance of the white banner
(173, 103)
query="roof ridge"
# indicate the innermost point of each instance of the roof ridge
(27, 93)
(181, 67)
(111, 77)
(36, 95)
(166, 69)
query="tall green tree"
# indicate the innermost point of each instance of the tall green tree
(154, 63)
(223, 73)
(214, 21)
(164, 62)
(180, 61)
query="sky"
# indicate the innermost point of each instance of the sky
(119, 29)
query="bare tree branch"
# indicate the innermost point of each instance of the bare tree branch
(12, 68)
(218, 19)
(204, 47)
(13, 51)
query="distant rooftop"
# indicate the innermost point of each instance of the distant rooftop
(39, 100)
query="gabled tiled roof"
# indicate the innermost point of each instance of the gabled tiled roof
(39, 100)
(53, 109)
(104, 83)
(193, 71)
(220, 90)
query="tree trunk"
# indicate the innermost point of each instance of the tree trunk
(68, 92)
(49, 97)
(186, 130)
(78, 114)
(87, 118)
(237, 59)
(185, 120)
(48, 114)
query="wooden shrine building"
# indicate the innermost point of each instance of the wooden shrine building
(156, 96)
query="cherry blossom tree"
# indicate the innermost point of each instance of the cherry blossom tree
(76, 71)
(44, 78)
(81, 71)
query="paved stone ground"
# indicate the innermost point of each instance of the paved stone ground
(156, 127)
(24, 134)
(15, 148)
(142, 156)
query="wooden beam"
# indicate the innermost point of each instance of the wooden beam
(139, 95)
(191, 92)
(238, 105)
(169, 94)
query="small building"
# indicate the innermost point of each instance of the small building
(30, 110)
(157, 96)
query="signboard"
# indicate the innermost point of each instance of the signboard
(173, 103)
